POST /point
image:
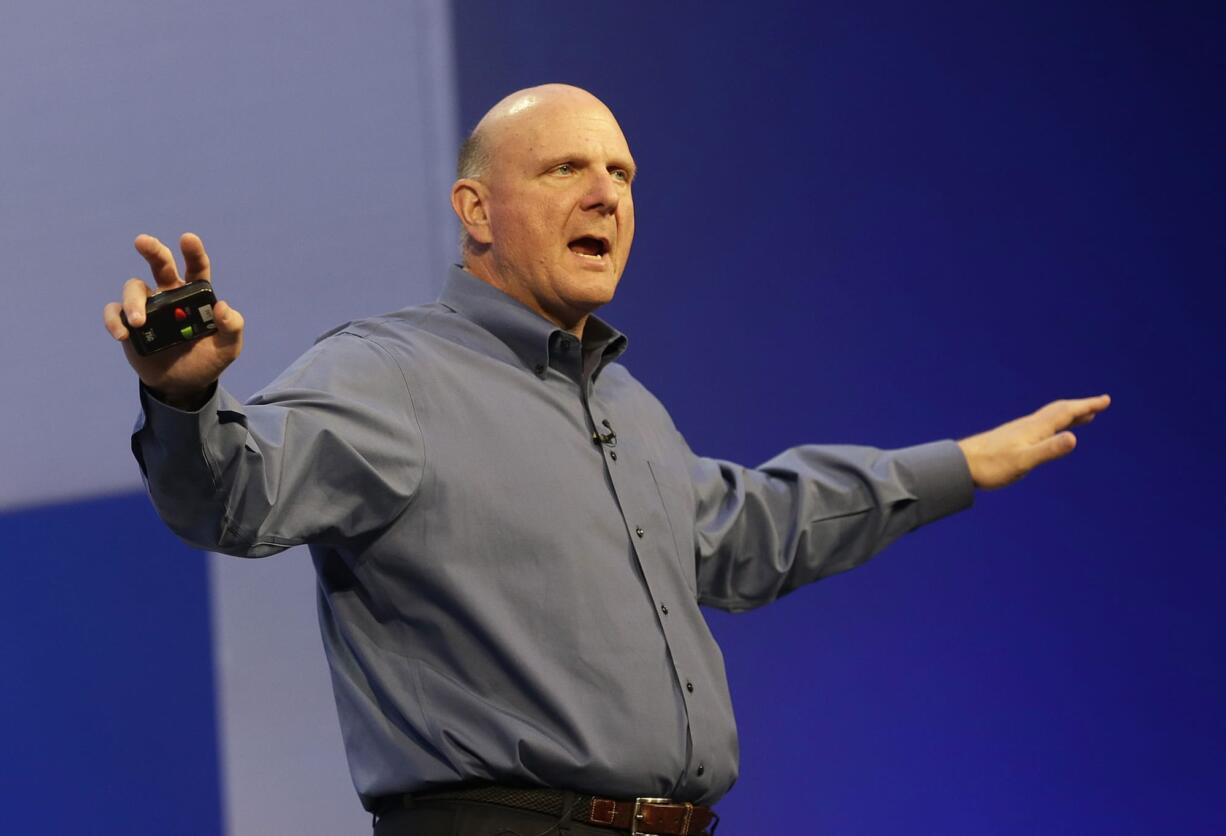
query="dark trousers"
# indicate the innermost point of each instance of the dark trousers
(474, 818)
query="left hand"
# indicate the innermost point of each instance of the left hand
(1005, 454)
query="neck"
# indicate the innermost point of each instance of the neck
(483, 270)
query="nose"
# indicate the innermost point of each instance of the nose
(603, 193)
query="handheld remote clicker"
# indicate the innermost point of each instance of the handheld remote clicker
(174, 317)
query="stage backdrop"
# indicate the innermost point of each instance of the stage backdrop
(876, 225)
(150, 688)
(889, 222)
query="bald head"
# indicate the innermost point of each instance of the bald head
(479, 150)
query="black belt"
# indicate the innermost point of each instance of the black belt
(641, 816)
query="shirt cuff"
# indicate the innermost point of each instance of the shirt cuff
(939, 477)
(167, 420)
(163, 431)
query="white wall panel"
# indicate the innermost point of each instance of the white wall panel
(311, 146)
(283, 765)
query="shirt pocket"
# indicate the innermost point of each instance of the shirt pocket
(679, 512)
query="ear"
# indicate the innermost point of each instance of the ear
(470, 200)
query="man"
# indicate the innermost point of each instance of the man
(511, 537)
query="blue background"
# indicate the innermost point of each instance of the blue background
(107, 701)
(882, 224)
(894, 222)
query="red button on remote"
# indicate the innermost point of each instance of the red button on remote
(180, 314)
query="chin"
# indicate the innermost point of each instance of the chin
(590, 295)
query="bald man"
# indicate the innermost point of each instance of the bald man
(511, 537)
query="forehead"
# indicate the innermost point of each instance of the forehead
(540, 133)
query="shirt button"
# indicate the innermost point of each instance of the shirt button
(539, 369)
(701, 769)
(664, 608)
(689, 686)
(613, 455)
(639, 532)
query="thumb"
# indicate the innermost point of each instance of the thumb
(229, 323)
(1049, 449)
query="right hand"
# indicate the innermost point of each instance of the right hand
(183, 375)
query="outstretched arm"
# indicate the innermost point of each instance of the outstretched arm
(323, 454)
(817, 510)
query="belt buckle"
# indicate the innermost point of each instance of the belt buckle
(638, 814)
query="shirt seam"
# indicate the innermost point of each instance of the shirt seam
(412, 408)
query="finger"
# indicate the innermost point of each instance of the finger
(1060, 415)
(135, 292)
(1056, 447)
(1094, 405)
(229, 325)
(1083, 410)
(195, 259)
(161, 261)
(110, 318)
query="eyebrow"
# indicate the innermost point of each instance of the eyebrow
(559, 159)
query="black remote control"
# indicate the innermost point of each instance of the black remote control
(174, 317)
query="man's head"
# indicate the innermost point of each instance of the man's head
(544, 198)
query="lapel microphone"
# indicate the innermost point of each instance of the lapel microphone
(609, 438)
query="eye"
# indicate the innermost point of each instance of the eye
(564, 168)
(620, 174)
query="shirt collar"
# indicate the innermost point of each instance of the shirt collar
(535, 340)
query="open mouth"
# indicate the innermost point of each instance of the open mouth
(589, 247)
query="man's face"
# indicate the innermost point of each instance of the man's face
(560, 209)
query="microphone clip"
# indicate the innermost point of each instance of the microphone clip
(608, 439)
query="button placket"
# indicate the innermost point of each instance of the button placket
(638, 495)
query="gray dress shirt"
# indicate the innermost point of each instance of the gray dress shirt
(513, 541)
